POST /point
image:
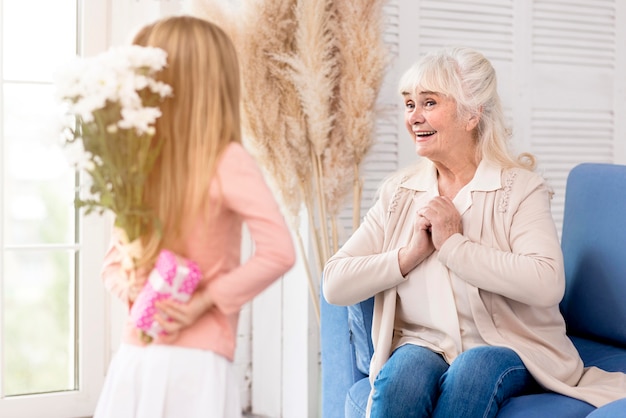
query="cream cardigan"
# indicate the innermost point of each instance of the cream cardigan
(510, 258)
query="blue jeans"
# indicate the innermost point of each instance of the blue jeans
(416, 382)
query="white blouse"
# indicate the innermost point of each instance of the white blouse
(431, 291)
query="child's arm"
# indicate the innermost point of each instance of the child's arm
(246, 193)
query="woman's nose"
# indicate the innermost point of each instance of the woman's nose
(415, 116)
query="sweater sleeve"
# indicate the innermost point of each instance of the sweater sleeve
(246, 193)
(362, 268)
(113, 271)
(114, 279)
(532, 271)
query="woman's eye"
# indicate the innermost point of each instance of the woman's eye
(429, 103)
(409, 105)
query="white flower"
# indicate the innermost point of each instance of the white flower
(86, 106)
(76, 155)
(114, 77)
(139, 119)
(111, 103)
(162, 89)
(68, 80)
(153, 58)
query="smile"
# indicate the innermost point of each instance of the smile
(425, 133)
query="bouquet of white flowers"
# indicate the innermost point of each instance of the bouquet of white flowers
(112, 103)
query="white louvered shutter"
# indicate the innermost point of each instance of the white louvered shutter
(573, 51)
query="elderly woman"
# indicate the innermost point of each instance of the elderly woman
(463, 257)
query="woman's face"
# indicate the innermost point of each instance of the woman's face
(433, 122)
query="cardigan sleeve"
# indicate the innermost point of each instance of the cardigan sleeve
(246, 193)
(531, 270)
(362, 267)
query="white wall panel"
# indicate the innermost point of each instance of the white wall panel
(559, 65)
(573, 53)
(483, 24)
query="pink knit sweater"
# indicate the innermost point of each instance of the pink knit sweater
(216, 248)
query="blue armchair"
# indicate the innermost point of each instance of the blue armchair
(594, 247)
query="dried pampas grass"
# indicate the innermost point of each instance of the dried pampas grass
(312, 69)
(311, 73)
(363, 61)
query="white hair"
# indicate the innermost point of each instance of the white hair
(467, 77)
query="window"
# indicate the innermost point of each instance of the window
(51, 340)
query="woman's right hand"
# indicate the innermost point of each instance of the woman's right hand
(419, 248)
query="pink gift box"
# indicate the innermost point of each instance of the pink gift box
(173, 277)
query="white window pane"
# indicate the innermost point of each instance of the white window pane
(46, 34)
(39, 294)
(43, 252)
(39, 183)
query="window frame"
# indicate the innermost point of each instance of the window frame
(90, 305)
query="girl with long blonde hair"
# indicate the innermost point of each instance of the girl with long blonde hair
(203, 187)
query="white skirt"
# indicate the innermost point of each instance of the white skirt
(160, 381)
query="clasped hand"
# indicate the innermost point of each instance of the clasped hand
(174, 316)
(441, 218)
(434, 224)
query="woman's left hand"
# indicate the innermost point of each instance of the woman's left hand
(445, 220)
(174, 316)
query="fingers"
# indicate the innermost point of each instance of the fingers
(422, 223)
(441, 219)
(438, 204)
(170, 307)
(170, 328)
(438, 208)
(174, 316)
(183, 314)
(173, 312)
(168, 324)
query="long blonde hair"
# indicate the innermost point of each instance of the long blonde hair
(466, 76)
(196, 125)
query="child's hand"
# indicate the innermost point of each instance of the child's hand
(174, 316)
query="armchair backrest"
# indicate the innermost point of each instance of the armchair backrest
(594, 250)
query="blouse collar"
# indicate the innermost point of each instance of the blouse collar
(487, 178)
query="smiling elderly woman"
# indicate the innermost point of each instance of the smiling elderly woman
(463, 257)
